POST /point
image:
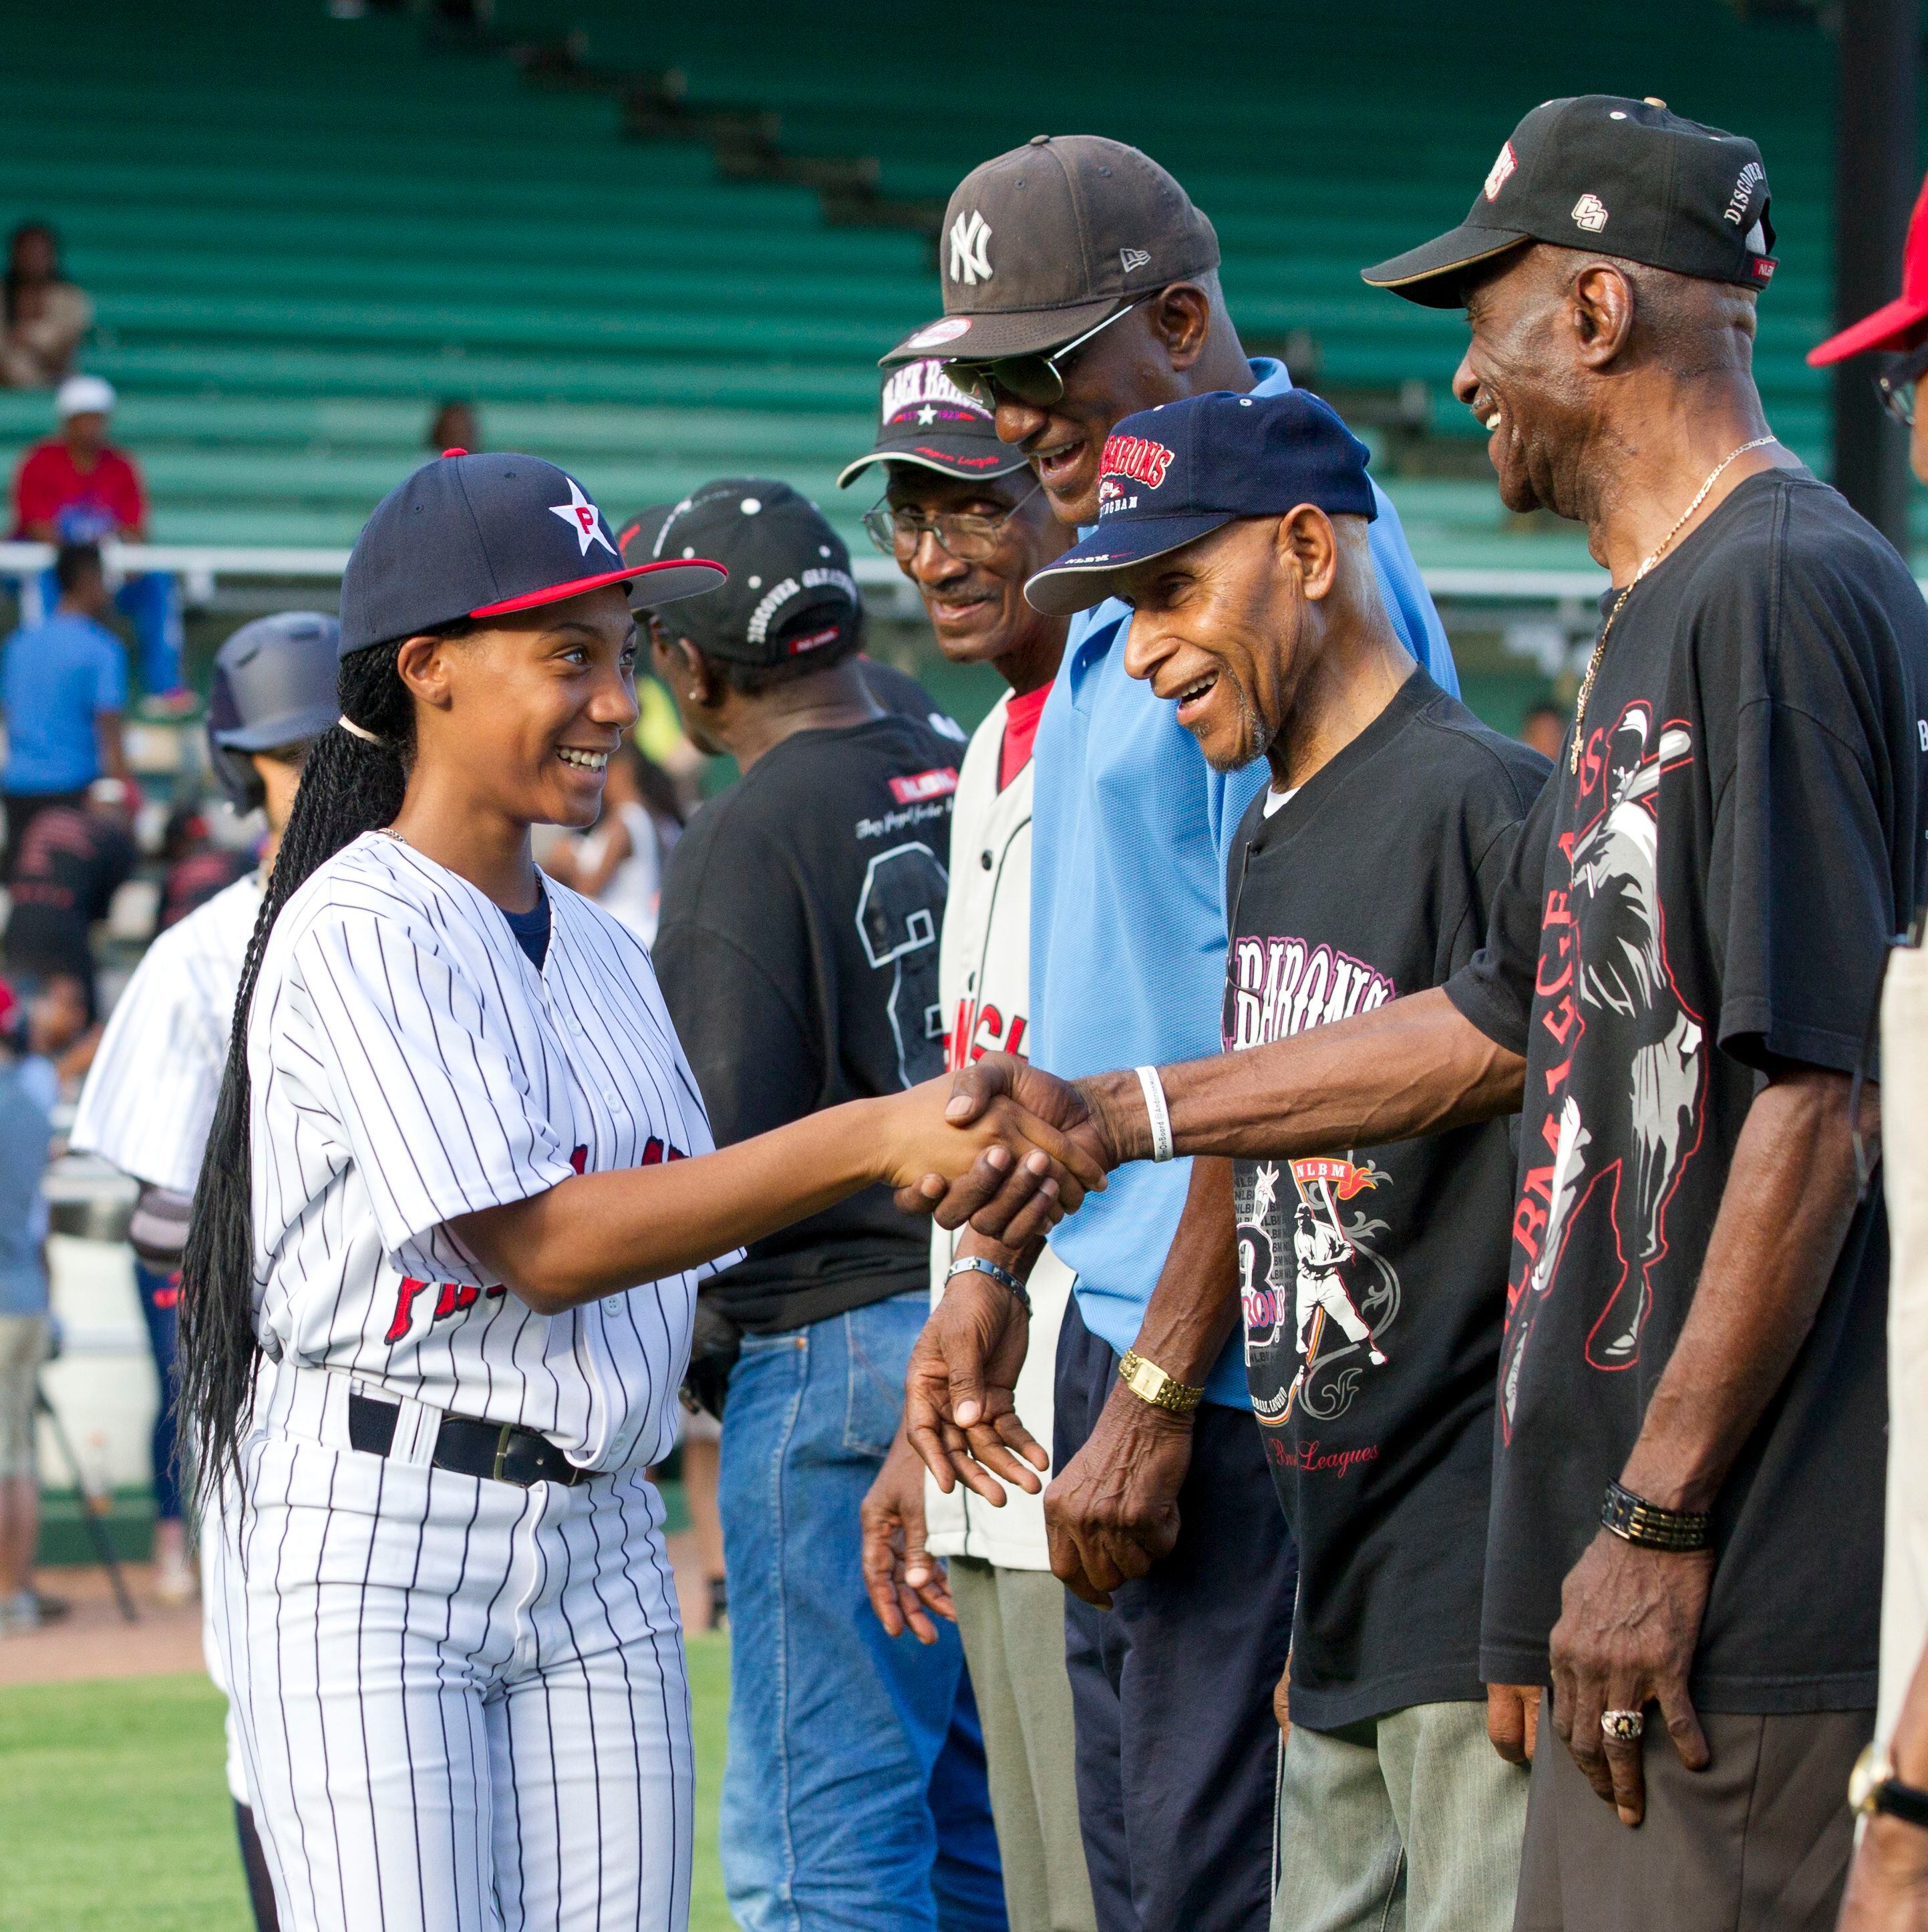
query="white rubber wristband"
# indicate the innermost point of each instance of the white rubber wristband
(1160, 1115)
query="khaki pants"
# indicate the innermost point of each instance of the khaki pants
(1409, 1822)
(1012, 1623)
(1758, 1842)
(23, 1349)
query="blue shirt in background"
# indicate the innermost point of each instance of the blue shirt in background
(24, 1129)
(55, 680)
(1131, 831)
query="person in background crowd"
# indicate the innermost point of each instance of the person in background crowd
(63, 689)
(619, 863)
(1887, 1884)
(70, 864)
(1096, 294)
(1372, 1279)
(149, 1101)
(25, 1131)
(1676, 988)
(77, 488)
(798, 957)
(194, 864)
(967, 523)
(45, 315)
(456, 424)
(1544, 727)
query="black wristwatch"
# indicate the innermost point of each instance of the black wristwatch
(1872, 1786)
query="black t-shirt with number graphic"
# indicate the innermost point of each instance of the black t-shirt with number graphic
(1374, 1279)
(798, 955)
(1708, 898)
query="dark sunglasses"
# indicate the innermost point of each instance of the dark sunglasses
(1036, 380)
(1895, 385)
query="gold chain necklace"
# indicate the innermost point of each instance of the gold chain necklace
(1653, 557)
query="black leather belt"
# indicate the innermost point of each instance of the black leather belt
(502, 1452)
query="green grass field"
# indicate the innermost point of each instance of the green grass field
(114, 1816)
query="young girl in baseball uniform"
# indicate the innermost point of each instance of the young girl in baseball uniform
(458, 1198)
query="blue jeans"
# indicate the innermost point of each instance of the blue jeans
(160, 1295)
(855, 1796)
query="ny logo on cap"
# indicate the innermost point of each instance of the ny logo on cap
(585, 518)
(1590, 213)
(1496, 175)
(969, 239)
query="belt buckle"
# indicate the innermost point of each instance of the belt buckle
(503, 1437)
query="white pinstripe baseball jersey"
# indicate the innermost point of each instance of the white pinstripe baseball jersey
(149, 1099)
(409, 1065)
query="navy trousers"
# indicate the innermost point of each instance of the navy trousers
(1171, 1688)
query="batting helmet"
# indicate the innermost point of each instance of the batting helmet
(274, 685)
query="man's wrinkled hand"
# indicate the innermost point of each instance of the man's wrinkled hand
(1281, 1699)
(1630, 1621)
(1513, 1720)
(907, 1586)
(960, 1403)
(1004, 1206)
(1112, 1512)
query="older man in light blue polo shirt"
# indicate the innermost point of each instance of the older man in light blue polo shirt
(1080, 286)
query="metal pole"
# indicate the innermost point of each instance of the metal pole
(1875, 184)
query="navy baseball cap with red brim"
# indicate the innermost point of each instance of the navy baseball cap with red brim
(485, 536)
(1172, 475)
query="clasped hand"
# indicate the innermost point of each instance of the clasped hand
(1006, 1151)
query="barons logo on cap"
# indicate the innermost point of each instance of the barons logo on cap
(920, 393)
(1136, 459)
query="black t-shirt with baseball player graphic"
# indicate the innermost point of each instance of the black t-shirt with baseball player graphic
(798, 955)
(1374, 1279)
(1709, 898)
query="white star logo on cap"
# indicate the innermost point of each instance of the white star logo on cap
(584, 518)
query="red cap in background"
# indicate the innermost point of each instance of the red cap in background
(1897, 325)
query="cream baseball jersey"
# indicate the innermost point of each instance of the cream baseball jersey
(983, 979)
(149, 1099)
(409, 1065)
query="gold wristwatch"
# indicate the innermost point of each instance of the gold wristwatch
(1150, 1383)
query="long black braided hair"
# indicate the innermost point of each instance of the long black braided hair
(349, 787)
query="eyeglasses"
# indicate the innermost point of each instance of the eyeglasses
(1896, 385)
(968, 535)
(1037, 380)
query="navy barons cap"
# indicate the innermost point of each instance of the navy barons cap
(926, 421)
(1176, 473)
(481, 536)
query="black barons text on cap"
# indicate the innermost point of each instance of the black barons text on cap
(790, 590)
(481, 536)
(926, 421)
(1052, 239)
(1600, 173)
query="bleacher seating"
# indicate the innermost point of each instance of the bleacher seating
(302, 232)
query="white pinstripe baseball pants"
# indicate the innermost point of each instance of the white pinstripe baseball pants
(462, 1705)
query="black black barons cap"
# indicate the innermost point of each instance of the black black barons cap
(481, 536)
(1053, 238)
(791, 590)
(928, 421)
(1599, 171)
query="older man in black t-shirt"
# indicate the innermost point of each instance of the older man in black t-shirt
(1680, 975)
(798, 955)
(1373, 1276)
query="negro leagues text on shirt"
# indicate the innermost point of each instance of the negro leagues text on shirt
(1373, 1279)
(1709, 897)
